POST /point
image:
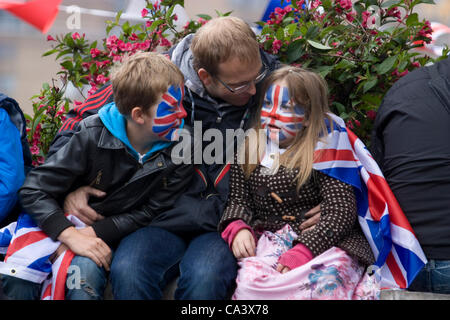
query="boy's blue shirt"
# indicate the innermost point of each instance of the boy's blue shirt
(115, 122)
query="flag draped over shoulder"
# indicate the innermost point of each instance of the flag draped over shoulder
(28, 256)
(342, 155)
(39, 13)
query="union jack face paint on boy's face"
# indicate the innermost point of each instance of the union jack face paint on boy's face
(169, 114)
(280, 116)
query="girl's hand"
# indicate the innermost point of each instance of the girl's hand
(243, 245)
(86, 245)
(282, 269)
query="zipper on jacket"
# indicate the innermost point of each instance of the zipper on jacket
(97, 179)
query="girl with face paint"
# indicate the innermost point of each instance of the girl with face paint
(281, 117)
(266, 207)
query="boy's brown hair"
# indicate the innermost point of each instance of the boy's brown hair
(141, 79)
(223, 38)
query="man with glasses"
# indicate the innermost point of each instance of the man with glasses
(222, 64)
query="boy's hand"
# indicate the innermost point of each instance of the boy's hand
(243, 245)
(86, 245)
(76, 203)
(313, 218)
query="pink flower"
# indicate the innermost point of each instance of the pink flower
(365, 17)
(145, 45)
(344, 4)
(76, 36)
(77, 103)
(148, 24)
(111, 40)
(133, 37)
(95, 52)
(202, 21)
(101, 79)
(371, 114)
(415, 64)
(394, 12)
(50, 38)
(175, 17)
(34, 149)
(351, 16)
(276, 45)
(144, 12)
(165, 43)
(92, 90)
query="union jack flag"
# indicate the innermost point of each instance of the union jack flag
(28, 256)
(398, 254)
(169, 114)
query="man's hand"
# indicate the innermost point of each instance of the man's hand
(313, 218)
(82, 243)
(76, 203)
(243, 245)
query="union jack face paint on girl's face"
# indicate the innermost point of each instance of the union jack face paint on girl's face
(279, 116)
(169, 114)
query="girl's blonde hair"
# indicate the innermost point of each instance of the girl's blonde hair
(308, 89)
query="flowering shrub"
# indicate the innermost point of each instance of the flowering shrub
(49, 109)
(361, 48)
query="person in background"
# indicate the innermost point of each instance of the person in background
(411, 144)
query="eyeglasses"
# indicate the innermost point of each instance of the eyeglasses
(244, 87)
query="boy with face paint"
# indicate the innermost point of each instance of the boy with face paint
(124, 151)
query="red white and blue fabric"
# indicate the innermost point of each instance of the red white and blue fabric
(399, 256)
(169, 114)
(28, 250)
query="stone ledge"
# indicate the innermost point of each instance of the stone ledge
(411, 295)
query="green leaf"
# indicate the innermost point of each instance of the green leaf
(386, 65)
(291, 28)
(339, 107)
(370, 84)
(325, 70)
(50, 52)
(204, 16)
(390, 3)
(294, 51)
(412, 19)
(318, 45)
(280, 34)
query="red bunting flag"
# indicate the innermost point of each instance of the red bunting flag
(39, 13)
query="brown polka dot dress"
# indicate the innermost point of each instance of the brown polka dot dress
(253, 202)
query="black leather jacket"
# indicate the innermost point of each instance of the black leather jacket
(136, 192)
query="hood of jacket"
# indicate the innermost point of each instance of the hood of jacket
(115, 122)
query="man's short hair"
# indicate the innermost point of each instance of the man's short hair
(141, 79)
(223, 38)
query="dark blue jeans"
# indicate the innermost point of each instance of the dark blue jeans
(149, 258)
(434, 277)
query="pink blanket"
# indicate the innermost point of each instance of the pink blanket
(333, 275)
